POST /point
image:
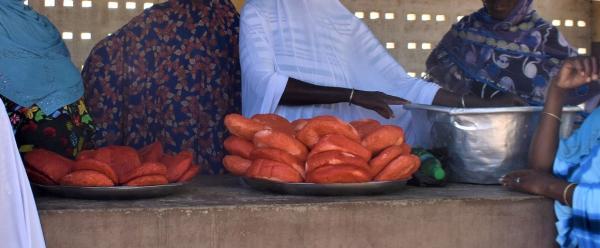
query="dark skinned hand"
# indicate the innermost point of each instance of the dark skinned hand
(533, 182)
(576, 72)
(377, 101)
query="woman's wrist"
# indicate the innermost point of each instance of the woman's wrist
(554, 99)
(556, 190)
(568, 194)
(351, 96)
(555, 92)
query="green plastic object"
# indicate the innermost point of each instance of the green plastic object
(430, 166)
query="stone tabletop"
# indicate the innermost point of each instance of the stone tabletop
(224, 191)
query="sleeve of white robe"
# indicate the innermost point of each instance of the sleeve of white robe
(389, 77)
(262, 85)
(19, 222)
(385, 74)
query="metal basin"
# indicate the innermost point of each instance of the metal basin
(481, 145)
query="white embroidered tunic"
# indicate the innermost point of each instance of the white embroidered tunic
(322, 43)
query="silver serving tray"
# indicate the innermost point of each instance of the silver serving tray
(110, 193)
(313, 189)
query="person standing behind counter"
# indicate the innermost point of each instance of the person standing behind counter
(40, 87)
(305, 58)
(171, 75)
(505, 48)
(567, 171)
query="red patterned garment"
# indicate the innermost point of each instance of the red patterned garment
(171, 74)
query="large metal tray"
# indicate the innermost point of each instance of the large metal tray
(312, 189)
(111, 193)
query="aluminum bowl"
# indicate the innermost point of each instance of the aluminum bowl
(480, 145)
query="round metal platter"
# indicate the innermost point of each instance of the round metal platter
(338, 189)
(111, 193)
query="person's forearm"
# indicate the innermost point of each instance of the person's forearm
(301, 93)
(556, 191)
(545, 140)
(446, 98)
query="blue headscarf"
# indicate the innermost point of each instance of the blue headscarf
(35, 65)
(519, 55)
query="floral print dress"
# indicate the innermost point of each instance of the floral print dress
(170, 75)
(66, 131)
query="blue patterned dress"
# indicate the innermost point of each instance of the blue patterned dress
(578, 161)
(486, 57)
(171, 74)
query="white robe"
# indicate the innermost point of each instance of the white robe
(19, 222)
(322, 43)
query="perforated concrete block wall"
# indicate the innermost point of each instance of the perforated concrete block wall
(408, 28)
(596, 28)
(411, 28)
(596, 21)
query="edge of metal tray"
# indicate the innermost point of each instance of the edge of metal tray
(462, 111)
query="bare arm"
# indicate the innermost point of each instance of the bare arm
(539, 179)
(298, 92)
(302, 93)
(573, 74)
(545, 140)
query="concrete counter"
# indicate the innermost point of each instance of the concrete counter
(218, 212)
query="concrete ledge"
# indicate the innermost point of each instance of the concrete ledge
(217, 212)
